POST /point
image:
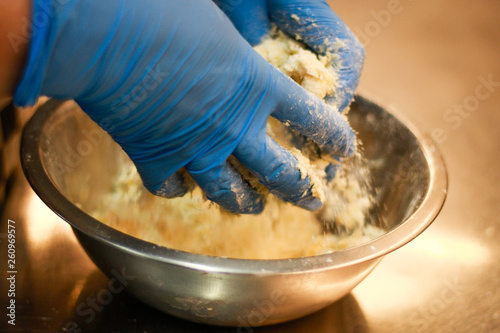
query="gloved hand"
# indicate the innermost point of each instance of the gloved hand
(311, 21)
(176, 85)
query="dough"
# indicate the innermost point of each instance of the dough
(311, 71)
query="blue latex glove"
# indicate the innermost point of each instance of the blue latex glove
(176, 85)
(311, 21)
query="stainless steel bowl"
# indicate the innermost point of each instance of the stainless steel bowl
(70, 163)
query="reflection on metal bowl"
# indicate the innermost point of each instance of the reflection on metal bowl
(70, 165)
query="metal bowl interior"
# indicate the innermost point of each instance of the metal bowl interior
(70, 162)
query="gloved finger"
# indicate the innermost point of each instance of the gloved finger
(278, 170)
(225, 186)
(331, 170)
(313, 118)
(176, 185)
(323, 31)
(248, 16)
(313, 152)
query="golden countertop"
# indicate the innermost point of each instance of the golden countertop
(437, 63)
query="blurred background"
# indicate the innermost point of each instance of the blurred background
(433, 62)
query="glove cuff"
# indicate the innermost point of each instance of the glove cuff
(28, 91)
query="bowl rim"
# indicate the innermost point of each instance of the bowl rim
(80, 221)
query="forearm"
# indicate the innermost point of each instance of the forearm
(14, 43)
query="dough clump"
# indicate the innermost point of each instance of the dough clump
(312, 72)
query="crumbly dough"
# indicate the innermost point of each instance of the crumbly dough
(311, 71)
(194, 224)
